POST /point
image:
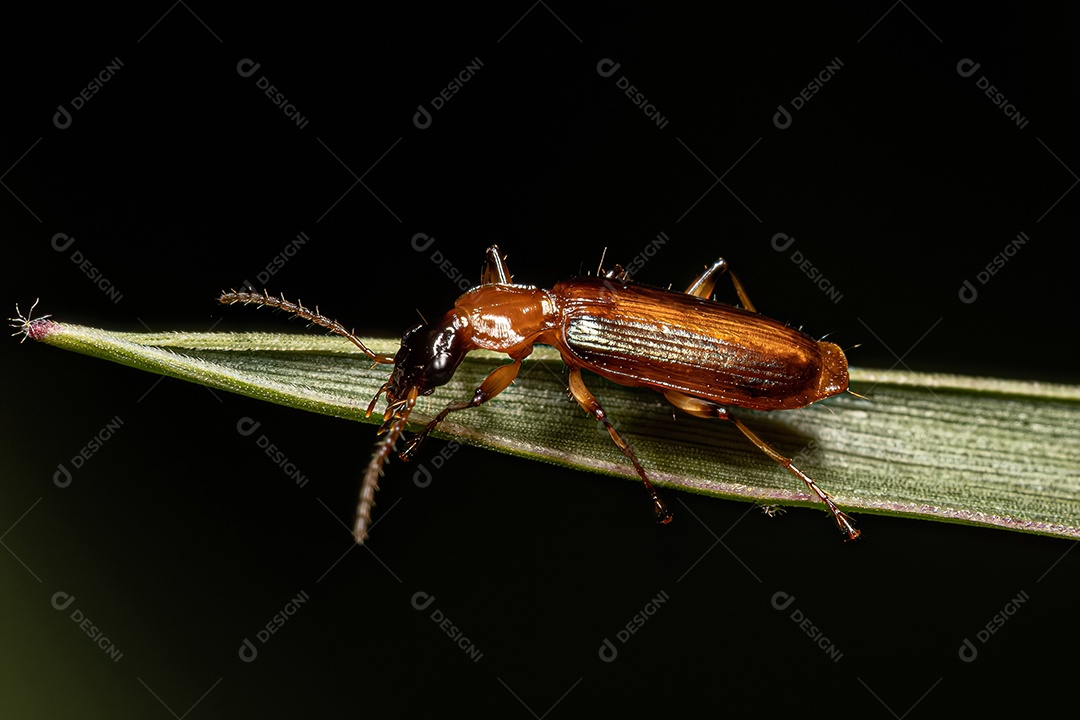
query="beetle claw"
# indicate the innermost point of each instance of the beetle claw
(847, 526)
(660, 510)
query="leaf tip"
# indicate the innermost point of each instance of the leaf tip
(30, 327)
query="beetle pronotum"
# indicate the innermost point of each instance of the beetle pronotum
(704, 356)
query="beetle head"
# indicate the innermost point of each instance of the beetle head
(428, 356)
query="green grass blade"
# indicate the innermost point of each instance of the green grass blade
(979, 451)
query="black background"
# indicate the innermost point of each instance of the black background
(899, 179)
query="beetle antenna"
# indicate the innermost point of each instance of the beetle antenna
(397, 413)
(861, 397)
(234, 297)
(424, 319)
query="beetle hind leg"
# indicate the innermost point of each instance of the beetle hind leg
(592, 406)
(705, 283)
(696, 406)
(843, 521)
(704, 408)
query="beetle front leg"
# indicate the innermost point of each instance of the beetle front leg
(705, 283)
(499, 379)
(592, 406)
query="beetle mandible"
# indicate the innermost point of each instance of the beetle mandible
(704, 356)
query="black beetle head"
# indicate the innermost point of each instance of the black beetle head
(427, 358)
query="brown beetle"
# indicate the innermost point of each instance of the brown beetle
(703, 355)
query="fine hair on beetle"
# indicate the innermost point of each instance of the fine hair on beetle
(704, 356)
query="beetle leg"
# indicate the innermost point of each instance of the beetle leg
(618, 274)
(696, 406)
(499, 379)
(705, 408)
(704, 284)
(592, 406)
(845, 523)
(495, 270)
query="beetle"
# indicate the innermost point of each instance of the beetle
(704, 356)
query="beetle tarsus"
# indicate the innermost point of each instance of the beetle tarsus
(411, 445)
(845, 523)
(843, 520)
(660, 509)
